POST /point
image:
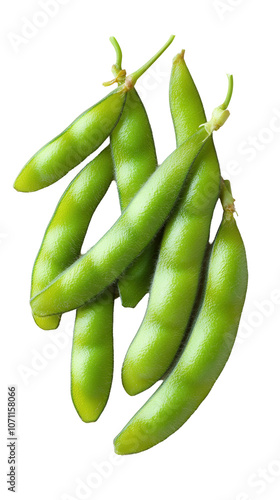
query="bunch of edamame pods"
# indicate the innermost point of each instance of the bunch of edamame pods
(159, 244)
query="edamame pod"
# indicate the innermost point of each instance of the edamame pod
(65, 234)
(207, 349)
(80, 139)
(132, 232)
(92, 357)
(73, 145)
(92, 352)
(134, 156)
(184, 242)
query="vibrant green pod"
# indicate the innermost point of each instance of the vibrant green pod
(184, 242)
(187, 109)
(80, 139)
(65, 234)
(194, 312)
(92, 362)
(127, 238)
(206, 351)
(73, 145)
(133, 149)
(92, 357)
(134, 156)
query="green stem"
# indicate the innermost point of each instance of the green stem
(220, 114)
(118, 65)
(229, 93)
(132, 79)
(226, 197)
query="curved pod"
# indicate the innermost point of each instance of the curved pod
(81, 138)
(185, 238)
(134, 157)
(92, 357)
(207, 349)
(65, 234)
(73, 145)
(132, 232)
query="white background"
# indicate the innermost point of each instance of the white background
(230, 448)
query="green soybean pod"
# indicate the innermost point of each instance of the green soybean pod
(92, 351)
(80, 139)
(134, 156)
(184, 242)
(73, 145)
(207, 348)
(65, 234)
(131, 233)
(92, 357)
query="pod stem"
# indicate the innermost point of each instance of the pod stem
(117, 70)
(227, 199)
(221, 113)
(132, 79)
(118, 64)
(229, 93)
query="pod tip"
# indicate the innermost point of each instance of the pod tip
(179, 57)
